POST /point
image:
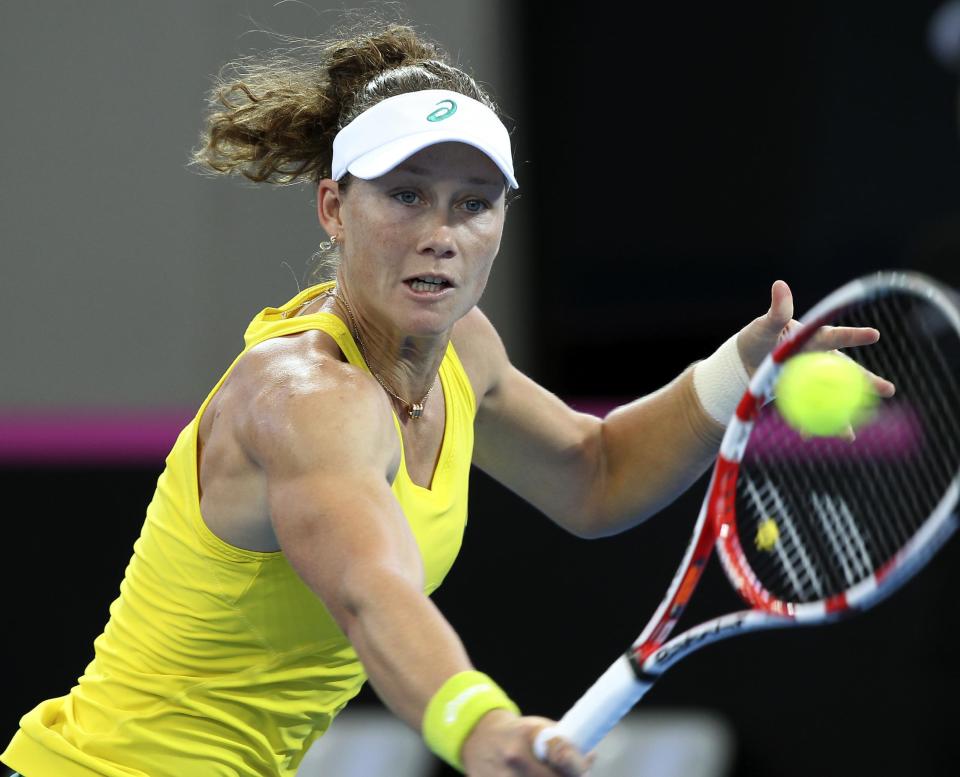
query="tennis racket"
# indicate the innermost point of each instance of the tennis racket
(812, 529)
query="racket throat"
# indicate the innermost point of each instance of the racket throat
(637, 658)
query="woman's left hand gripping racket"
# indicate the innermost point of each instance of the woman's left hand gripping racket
(811, 529)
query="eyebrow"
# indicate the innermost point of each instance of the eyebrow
(424, 173)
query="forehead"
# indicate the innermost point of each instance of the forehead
(451, 160)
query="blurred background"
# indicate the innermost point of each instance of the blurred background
(674, 159)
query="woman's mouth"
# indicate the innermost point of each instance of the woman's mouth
(428, 284)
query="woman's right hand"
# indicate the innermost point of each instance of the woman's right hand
(501, 745)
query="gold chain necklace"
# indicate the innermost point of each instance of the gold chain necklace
(414, 409)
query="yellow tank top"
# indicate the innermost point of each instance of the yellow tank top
(218, 661)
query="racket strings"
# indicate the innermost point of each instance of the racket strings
(830, 531)
(817, 516)
(809, 525)
(931, 371)
(949, 397)
(799, 569)
(913, 485)
(916, 485)
(932, 377)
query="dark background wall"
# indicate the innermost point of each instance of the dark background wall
(675, 160)
(684, 156)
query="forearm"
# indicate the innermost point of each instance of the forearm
(408, 649)
(598, 477)
(652, 450)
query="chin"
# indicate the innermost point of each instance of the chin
(432, 328)
(432, 323)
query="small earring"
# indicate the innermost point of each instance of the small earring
(334, 239)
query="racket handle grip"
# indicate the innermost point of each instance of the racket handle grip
(597, 711)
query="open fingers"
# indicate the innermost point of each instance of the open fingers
(831, 338)
(883, 387)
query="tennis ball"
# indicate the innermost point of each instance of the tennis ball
(768, 535)
(823, 394)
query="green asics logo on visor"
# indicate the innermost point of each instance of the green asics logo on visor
(449, 108)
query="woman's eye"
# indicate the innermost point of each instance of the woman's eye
(407, 197)
(475, 206)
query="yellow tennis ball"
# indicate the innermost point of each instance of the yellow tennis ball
(823, 394)
(768, 535)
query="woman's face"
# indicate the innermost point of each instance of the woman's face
(418, 243)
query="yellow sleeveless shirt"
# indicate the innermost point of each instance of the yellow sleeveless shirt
(218, 661)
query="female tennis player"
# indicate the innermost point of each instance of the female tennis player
(320, 494)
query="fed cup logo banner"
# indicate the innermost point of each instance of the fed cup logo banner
(449, 107)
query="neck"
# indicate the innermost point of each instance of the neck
(406, 366)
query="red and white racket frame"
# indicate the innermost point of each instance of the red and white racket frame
(632, 675)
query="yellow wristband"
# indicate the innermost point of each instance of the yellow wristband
(455, 709)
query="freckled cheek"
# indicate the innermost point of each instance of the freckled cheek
(480, 269)
(384, 242)
(485, 245)
(401, 233)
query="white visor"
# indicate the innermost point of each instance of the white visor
(382, 137)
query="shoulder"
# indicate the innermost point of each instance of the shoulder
(295, 402)
(481, 351)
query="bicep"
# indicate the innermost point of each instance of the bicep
(526, 437)
(327, 449)
(535, 444)
(341, 530)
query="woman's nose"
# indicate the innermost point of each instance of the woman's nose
(438, 241)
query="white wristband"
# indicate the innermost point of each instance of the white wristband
(720, 381)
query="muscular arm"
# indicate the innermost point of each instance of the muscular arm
(593, 477)
(325, 440)
(322, 432)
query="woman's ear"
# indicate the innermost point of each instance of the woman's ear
(328, 206)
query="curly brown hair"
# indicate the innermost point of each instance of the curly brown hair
(273, 118)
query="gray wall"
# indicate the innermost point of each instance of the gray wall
(126, 279)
